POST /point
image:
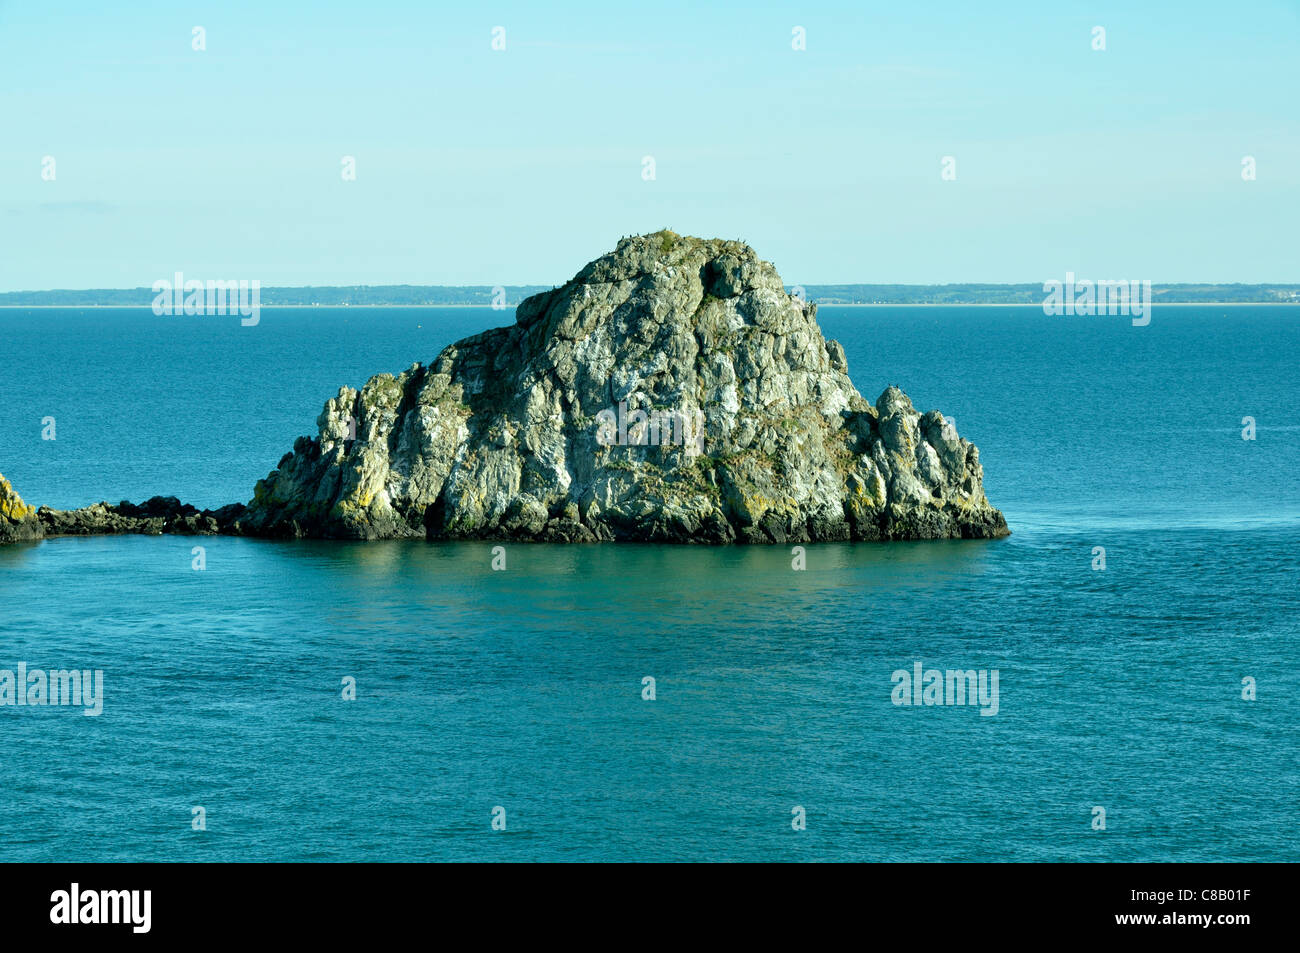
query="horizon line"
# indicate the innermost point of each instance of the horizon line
(552, 286)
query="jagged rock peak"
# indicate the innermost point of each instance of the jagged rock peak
(671, 391)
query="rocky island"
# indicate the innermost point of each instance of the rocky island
(672, 391)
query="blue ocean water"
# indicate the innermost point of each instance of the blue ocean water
(1119, 689)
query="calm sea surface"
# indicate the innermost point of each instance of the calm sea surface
(1119, 689)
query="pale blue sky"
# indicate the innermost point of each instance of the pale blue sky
(483, 167)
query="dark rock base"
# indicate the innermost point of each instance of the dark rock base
(167, 515)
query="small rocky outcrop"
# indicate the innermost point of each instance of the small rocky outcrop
(161, 514)
(157, 515)
(18, 521)
(672, 391)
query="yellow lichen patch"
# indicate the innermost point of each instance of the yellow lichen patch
(12, 506)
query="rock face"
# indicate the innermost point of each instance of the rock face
(672, 391)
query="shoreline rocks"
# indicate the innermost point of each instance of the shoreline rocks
(155, 516)
(672, 391)
(20, 522)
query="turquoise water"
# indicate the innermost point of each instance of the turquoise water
(522, 688)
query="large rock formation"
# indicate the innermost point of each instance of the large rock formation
(672, 391)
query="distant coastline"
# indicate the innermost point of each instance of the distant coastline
(468, 296)
(511, 306)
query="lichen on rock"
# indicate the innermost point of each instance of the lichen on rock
(18, 521)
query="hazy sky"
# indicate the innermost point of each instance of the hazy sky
(479, 166)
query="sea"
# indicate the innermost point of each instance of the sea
(346, 701)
